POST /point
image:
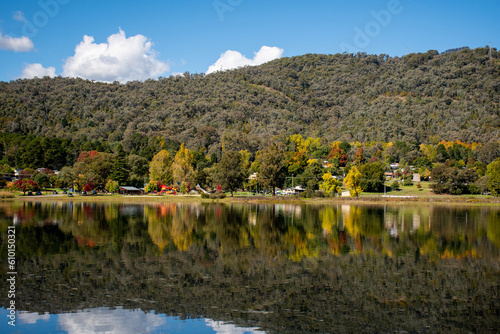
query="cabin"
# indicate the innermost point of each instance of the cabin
(125, 190)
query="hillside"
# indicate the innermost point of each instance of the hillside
(338, 97)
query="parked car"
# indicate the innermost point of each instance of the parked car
(54, 192)
(38, 193)
(84, 193)
(70, 195)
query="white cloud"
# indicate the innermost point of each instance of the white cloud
(19, 16)
(37, 70)
(120, 59)
(233, 59)
(20, 44)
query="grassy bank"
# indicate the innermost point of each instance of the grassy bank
(365, 198)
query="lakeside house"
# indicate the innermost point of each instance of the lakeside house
(126, 190)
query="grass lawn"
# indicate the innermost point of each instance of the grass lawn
(425, 193)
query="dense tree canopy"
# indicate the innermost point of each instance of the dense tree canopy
(345, 97)
(230, 174)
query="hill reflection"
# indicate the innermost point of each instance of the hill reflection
(282, 268)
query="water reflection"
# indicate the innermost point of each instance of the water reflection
(282, 268)
(119, 321)
(283, 230)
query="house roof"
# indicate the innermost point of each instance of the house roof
(130, 188)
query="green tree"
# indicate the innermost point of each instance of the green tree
(184, 188)
(112, 186)
(273, 166)
(453, 181)
(312, 175)
(42, 180)
(372, 177)
(353, 181)
(160, 168)
(229, 171)
(139, 166)
(121, 170)
(96, 166)
(493, 172)
(68, 176)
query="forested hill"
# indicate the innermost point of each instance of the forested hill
(346, 97)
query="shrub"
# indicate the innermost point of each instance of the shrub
(205, 196)
(218, 195)
(407, 181)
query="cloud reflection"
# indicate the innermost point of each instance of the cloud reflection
(104, 320)
(32, 318)
(227, 328)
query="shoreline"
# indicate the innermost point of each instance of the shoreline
(364, 200)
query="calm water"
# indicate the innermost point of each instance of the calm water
(216, 268)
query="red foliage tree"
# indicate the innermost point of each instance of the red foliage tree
(25, 185)
(84, 155)
(89, 186)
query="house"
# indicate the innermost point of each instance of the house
(298, 189)
(326, 164)
(394, 165)
(388, 175)
(292, 191)
(416, 177)
(346, 193)
(125, 190)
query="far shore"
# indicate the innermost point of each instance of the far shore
(365, 199)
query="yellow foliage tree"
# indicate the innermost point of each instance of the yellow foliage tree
(429, 151)
(160, 168)
(353, 181)
(182, 168)
(330, 185)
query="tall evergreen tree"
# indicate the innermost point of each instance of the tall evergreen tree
(121, 170)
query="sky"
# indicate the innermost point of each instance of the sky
(138, 40)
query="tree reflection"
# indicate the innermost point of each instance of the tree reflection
(283, 231)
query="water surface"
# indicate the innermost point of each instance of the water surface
(256, 268)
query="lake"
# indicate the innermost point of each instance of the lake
(250, 268)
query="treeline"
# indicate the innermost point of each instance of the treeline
(346, 97)
(314, 163)
(29, 151)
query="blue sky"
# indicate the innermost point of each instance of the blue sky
(136, 40)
